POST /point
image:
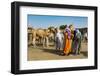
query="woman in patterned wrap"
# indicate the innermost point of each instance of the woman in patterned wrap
(68, 40)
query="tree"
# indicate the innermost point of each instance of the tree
(62, 27)
(50, 27)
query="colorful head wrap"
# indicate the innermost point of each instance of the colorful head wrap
(77, 31)
(71, 27)
(68, 31)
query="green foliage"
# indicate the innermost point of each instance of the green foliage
(62, 27)
(50, 27)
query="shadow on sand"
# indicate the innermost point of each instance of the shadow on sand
(84, 53)
(53, 51)
(59, 52)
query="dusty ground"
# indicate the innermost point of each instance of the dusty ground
(50, 53)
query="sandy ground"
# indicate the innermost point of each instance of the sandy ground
(50, 53)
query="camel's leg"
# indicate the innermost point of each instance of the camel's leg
(47, 42)
(40, 40)
(34, 42)
(43, 42)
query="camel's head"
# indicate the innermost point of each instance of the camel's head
(47, 32)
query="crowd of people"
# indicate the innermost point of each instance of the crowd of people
(70, 40)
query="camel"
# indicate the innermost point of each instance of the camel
(42, 34)
(30, 36)
(85, 37)
(52, 34)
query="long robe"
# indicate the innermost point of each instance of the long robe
(59, 40)
(76, 45)
(68, 43)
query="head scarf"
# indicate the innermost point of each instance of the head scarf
(71, 27)
(68, 32)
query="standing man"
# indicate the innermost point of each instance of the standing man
(76, 45)
(58, 39)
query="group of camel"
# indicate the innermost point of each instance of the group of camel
(42, 35)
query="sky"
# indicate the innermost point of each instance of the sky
(45, 21)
